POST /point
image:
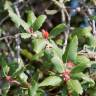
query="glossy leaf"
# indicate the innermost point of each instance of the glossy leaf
(71, 50)
(25, 35)
(82, 60)
(39, 22)
(75, 85)
(39, 44)
(58, 64)
(82, 32)
(82, 63)
(18, 21)
(84, 77)
(51, 81)
(56, 49)
(57, 30)
(23, 77)
(31, 17)
(32, 91)
(91, 40)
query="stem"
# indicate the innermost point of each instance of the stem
(8, 45)
(17, 38)
(61, 5)
(66, 34)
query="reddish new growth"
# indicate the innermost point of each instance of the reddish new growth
(67, 72)
(45, 34)
(10, 80)
(70, 64)
(30, 30)
(66, 75)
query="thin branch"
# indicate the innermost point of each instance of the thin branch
(8, 45)
(4, 19)
(5, 37)
(17, 38)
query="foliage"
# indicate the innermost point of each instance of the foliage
(37, 62)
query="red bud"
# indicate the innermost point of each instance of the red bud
(8, 78)
(30, 30)
(45, 34)
(66, 75)
(70, 64)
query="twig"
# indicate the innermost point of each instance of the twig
(17, 38)
(17, 10)
(57, 3)
(94, 27)
(17, 2)
(5, 37)
(4, 19)
(66, 34)
(8, 45)
(62, 11)
(90, 14)
(61, 5)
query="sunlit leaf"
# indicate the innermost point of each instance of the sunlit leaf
(71, 50)
(32, 91)
(39, 44)
(39, 22)
(58, 64)
(18, 21)
(82, 32)
(31, 17)
(75, 85)
(51, 81)
(25, 35)
(57, 30)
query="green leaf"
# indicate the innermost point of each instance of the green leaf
(83, 76)
(18, 21)
(75, 86)
(31, 17)
(58, 64)
(82, 63)
(39, 44)
(57, 30)
(25, 35)
(71, 50)
(39, 22)
(93, 17)
(32, 91)
(27, 54)
(20, 68)
(91, 40)
(82, 32)
(23, 77)
(8, 5)
(79, 68)
(56, 49)
(51, 81)
(13, 67)
(5, 68)
(5, 88)
(82, 60)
